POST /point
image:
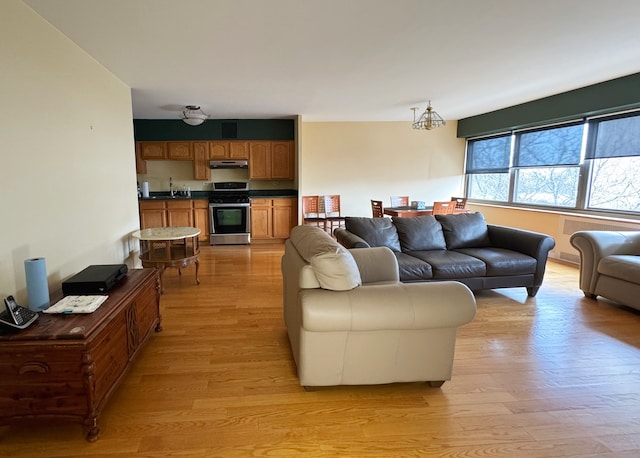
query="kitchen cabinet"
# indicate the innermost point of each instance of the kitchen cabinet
(153, 151)
(179, 151)
(201, 218)
(274, 160)
(153, 213)
(172, 213)
(273, 219)
(179, 213)
(141, 165)
(201, 170)
(228, 150)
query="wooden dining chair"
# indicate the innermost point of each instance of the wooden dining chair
(444, 208)
(376, 209)
(332, 213)
(311, 212)
(460, 202)
(399, 201)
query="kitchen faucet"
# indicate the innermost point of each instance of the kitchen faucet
(170, 187)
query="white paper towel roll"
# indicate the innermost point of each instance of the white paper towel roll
(145, 189)
(35, 270)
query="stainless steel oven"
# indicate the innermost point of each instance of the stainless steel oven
(229, 214)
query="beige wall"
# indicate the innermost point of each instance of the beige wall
(67, 160)
(375, 160)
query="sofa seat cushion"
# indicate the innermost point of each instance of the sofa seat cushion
(451, 264)
(465, 230)
(411, 268)
(500, 261)
(624, 267)
(421, 233)
(375, 231)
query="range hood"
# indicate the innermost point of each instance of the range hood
(230, 164)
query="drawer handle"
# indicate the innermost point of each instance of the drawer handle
(34, 367)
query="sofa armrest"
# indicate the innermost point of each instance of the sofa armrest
(388, 307)
(377, 264)
(349, 239)
(595, 245)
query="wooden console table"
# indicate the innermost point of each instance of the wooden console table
(163, 247)
(67, 366)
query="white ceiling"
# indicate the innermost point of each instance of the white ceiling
(349, 60)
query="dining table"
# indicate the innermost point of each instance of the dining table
(407, 212)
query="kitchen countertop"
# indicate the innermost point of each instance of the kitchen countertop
(199, 195)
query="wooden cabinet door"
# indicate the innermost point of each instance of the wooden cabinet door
(201, 170)
(282, 160)
(201, 218)
(152, 214)
(141, 165)
(153, 150)
(238, 150)
(179, 151)
(284, 217)
(260, 160)
(261, 219)
(179, 213)
(218, 150)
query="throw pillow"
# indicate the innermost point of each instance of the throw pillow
(336, 270)
(375, 231)
(465, 230)
(421, 233)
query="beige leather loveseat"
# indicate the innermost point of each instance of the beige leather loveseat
(352, 322)
(610, 265)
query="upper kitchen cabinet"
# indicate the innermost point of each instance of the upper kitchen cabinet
(141, 165)
(274, 160)
(179, 151)
(201, 170)
(229, 150)
(153, 150)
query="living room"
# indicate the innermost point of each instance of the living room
(71, 184)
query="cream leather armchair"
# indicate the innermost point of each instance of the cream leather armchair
(610, 265)
(351, 321)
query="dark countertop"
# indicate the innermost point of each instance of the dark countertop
(197, 195)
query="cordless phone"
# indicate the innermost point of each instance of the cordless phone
(15, 315)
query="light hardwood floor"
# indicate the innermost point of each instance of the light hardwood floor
(553, 376)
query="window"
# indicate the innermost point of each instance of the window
(615, 164)
(590, 165)
(547, 166)
(488, 168)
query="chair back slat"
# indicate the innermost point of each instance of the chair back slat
(376, 209)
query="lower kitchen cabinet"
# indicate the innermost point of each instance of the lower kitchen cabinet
(273, 219)
(172, 213)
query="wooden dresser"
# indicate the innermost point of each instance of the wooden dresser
(67, 366)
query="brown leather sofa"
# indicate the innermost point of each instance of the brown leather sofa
(610, 265)
(461, 247)
(350, 321)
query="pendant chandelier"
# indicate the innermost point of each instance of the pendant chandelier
(430, 119)
(193, 115)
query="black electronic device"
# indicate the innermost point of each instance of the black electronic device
(96, 279)
(16, 316)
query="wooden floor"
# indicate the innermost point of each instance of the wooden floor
(553, 376)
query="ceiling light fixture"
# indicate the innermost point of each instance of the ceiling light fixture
(193, 115)
(428, 120)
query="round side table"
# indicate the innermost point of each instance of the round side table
(163, 247)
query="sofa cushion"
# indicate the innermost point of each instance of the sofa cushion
(375, 231)
(411, 268)
(451, 264)
(333, 265)
(500, 261)
(419, 233)
(624, 267)
(464, 230)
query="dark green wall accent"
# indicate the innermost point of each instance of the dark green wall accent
(248, 129)
(608, 97)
